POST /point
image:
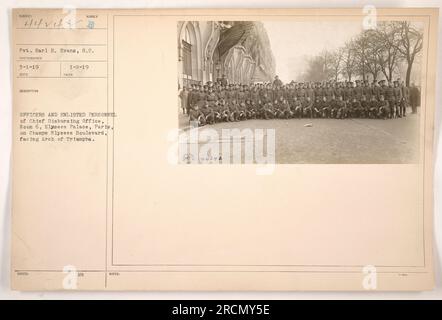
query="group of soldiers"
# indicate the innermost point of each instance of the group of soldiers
(222, 102)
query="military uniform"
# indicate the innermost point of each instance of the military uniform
(329, 93)
(356, 108)
(389, 96)
(333, 108)
(325, 107)
(297, 108)
(384, 109)
(307, 108)
(373, 108)
(357, 91)
(398, 99)
(341, 110)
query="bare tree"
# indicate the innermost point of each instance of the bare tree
(370, 53)
(409, 42)
(349, 61)
(371, 57)
(315, 69)
(336, 61)
(360, 52)
(387, 53)
(320, 67)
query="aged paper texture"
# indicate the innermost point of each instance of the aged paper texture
(126, 172)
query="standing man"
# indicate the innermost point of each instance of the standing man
(389, 96)
(376, 89)
(398, 99)
(277, 82)
(367, 91)
(184, 95)
(347, 90)
(310, 92)
(357, 91)
(405, 97)
(415, 98)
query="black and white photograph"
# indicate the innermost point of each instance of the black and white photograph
(237, 151)
(318, 92)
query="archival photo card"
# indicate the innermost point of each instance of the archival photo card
(223, 149)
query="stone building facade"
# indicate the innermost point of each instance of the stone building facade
(238, 49)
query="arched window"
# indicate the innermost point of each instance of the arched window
(187, 43)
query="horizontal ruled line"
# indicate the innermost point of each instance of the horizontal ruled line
(29, 28)
(61, 44)
(37, 60)
(24, 77)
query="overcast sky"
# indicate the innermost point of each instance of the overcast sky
(293, 42)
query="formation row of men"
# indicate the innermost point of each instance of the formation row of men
(219, 101)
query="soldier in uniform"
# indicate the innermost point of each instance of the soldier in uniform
(252, 110)
(231, 94)
(298, 90)
(211, 97)
(209, 114)
(365, 106)
(376, 89)
(260, 110)
(333, 107)
(398, 99)
(347, 111)
(338, 92)
(224, 111)
(254, 95)
(415, 98)
(356, 108)
(309, 91)
(241, 95)
(318, 92)
(220, 93)
(307, 107)
(269, 93)
(184, 96)
(341, 108)
(317, 107)
(234, 110)
(325, 106)
(347, 91)
(297, 108)
(285, 108)
(278, 93)
(268, 112)
(277, 107)
(405, 98)
(389, 96)
(373, 108)
(217, 111)
(193, 96)
(357, 91)
(384, 108)
(196, 116)
(328, 92)
(200, 98)
(242, 111)
(277, 82)
(291, 94)
(367, 91)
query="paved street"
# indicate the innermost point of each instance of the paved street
(340, 141)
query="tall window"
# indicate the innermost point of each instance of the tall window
(187, 54)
